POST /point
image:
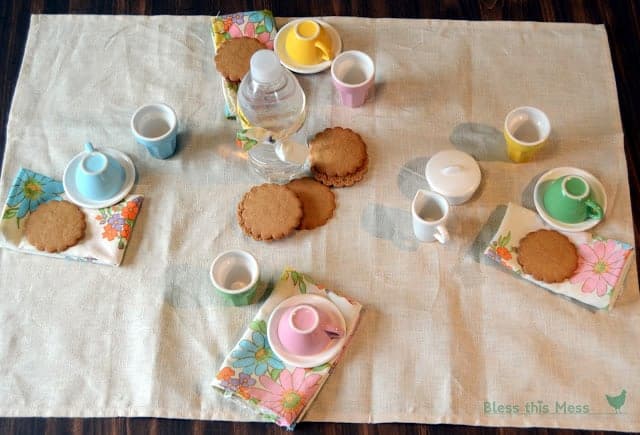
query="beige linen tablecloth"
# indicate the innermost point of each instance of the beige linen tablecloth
(446, 335)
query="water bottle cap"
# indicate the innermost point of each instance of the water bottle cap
(265, 67)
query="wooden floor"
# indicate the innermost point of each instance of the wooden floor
(622, 21)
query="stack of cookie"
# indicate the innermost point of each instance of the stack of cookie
(273, 211)
(338, 157)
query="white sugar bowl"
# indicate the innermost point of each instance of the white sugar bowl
(453, 174)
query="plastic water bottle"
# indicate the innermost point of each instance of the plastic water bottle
(270, 97)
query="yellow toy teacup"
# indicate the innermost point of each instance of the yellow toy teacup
(526, 130)
(308, 43)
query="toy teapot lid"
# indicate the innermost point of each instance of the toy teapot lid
(454, 174)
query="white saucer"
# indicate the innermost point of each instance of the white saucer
(71, 189)
(306, 361)
(597, 193)
(279, 48)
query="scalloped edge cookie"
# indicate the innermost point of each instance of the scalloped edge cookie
(55, 226)
(269, 212)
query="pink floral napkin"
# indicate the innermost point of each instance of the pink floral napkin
(255, 24)
(253, 375)
(108, 229)
(602, 263)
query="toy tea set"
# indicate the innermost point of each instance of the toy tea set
(96, 186)
(305, 330)
(100, 178)
(308, 46)
(568, 199)
(305, 325)
(302, 331)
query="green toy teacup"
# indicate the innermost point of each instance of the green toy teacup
(235, 275)
(568, 199)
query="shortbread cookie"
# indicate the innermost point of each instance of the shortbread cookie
(269, 212)
(548, 256)
(55, 226)
(338, 156)
(234, 56)
(318, 202)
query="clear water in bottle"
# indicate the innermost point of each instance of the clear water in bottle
(270, 97)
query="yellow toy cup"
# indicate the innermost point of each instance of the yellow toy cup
(308, 43)
(526, 130)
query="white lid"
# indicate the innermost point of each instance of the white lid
(265, 66)
(454, 174)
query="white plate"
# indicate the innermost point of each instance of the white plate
(71, 189)
(306, 361)
(279, 48)
(597, 193)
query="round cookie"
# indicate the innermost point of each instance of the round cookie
(548, 256)
(55, 226)
(269, 212)
(318, 202)
(234, 56)
(337, 153)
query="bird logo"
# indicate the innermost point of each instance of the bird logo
(616, 402)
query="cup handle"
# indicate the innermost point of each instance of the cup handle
(441, 235)
(333, 332)
(594, 211)
(326, 51)
(88, 147)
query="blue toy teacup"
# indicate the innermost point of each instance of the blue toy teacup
(98, 176)
(156, 127)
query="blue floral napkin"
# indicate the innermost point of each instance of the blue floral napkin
(108, 229)
(602, 263)
(253, 375)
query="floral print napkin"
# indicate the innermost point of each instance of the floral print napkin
(253, 375)
(255, 24)
(108, 229)
(602, 263)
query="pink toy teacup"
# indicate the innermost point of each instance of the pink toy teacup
(353, 74)
(305, 330)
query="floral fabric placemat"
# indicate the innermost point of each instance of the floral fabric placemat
(255, 376)
(602, 263)
(254, 24)
(108, 229)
